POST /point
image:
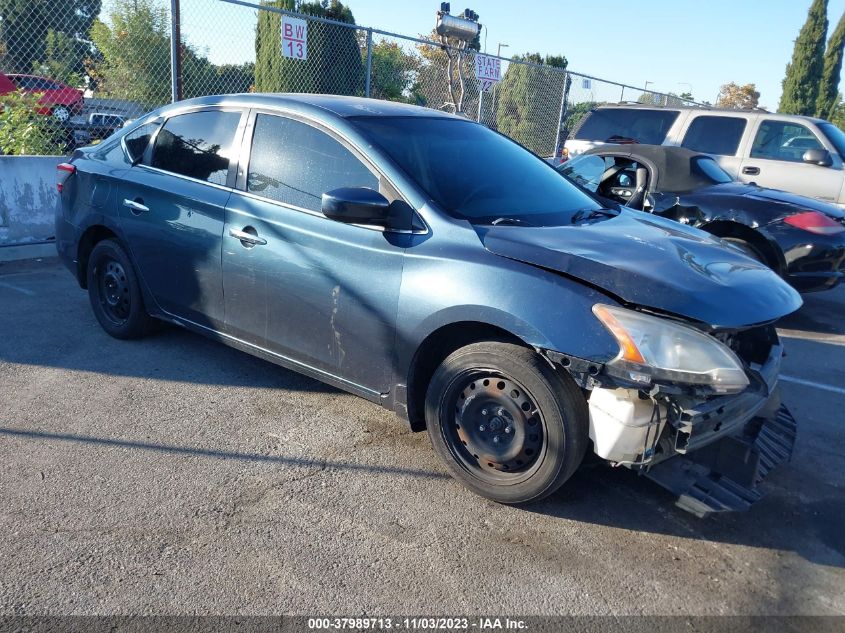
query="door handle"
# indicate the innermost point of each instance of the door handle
(751, 171)
(135, 206)
(248, 236)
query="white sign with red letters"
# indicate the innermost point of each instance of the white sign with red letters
(294, 38)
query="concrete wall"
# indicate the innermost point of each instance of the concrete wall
(27, 198)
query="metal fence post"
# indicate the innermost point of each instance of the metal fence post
(175, 53)
(369, 62)
(563, 95)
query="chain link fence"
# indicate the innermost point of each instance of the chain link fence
(118, 54)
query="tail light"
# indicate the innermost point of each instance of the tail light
(63, 172)
(815, 222)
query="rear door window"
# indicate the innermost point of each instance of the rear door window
(197, 145)
(627, 124)
(295, 163)
(783, 140)
(715, 135)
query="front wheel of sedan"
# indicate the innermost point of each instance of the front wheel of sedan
(115, 293)
(506, 424)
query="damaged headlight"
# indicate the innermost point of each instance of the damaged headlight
(652, 348)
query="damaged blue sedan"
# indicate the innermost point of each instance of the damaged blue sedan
(431, 265)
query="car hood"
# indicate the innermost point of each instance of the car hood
(653, 263)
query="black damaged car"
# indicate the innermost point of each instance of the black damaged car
(800, 238)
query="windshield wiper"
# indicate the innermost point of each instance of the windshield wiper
(500, 221)
(583, 215)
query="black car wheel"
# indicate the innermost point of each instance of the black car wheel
(507, 425)
(114, 292)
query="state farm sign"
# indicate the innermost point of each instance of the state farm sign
(488, 70)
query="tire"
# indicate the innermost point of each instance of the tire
(115, 293)
(499, 390)
(61, 113)
(747, 248)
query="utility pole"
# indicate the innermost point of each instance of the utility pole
(175, 52)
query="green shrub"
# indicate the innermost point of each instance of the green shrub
(23, 131)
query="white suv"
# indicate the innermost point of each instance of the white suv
(780, 151)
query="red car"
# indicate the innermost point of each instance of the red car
(57, 99)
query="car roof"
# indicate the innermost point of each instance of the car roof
(672, 164)
(338, 105)
(708, 110)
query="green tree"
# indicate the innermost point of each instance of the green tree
(26, 27)
(134, 53)
(528, 102)
(394, 73)
(333, 64)
(61, 59)
(829, 89)
(804, 72)
(23, 131)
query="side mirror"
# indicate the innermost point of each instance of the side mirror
(356, 205)
(819, 157)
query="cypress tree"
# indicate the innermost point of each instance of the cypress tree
(829, 89)
(804, 72)
(268, 47)
(333, 64)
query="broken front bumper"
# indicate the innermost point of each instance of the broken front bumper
(723, 476)
(710, 451)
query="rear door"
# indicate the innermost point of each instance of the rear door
(774, 159)
(172, 208)
(719, 135)
(315, 291)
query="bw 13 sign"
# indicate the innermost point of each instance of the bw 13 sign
(294, 38)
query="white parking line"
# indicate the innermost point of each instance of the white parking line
(834, 339)
(815, 385)
(18, 288)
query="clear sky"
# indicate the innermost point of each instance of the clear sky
(675, 45)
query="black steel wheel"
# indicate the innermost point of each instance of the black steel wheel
(507, 425)
(497, 430)
(115, 293)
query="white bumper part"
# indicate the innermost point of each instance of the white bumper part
(623, 427)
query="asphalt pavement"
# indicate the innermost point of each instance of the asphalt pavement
(174, 475)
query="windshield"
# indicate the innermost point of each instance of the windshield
(835, 136)
(476, 174)
(586, 170)
(710, 169)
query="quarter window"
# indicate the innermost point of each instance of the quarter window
(295, 163)
(783, 140)
(715, 135)
(137, 140)
(197, 144)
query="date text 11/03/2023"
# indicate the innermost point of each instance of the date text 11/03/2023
(418, 624)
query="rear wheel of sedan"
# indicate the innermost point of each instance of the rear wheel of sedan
(506, 424)
(115, 293)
